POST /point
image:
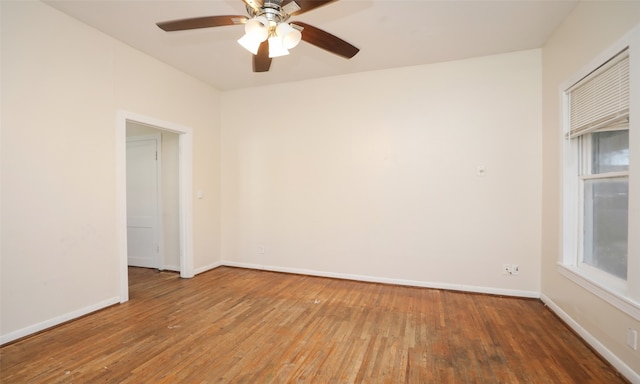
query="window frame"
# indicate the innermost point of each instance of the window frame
(623, 294)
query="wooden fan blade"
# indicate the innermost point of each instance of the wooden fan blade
(307, 5)
(201, 22)
(327, 41)
(262, 61)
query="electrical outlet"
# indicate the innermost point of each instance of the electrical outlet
(632, 339)
(515, 269)
(261, 249)
(506, 269)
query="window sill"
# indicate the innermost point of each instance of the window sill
(617, 299)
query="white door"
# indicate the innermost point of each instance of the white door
(143, 225)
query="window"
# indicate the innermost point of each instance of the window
(604, 200)
(598, 108)
(599, 147)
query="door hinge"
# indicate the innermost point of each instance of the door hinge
(156, 155)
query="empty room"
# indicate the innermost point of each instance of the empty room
(346, 191)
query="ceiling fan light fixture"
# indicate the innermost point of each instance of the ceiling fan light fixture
(256, 31)
(250, 43)
(276, 49)
(257, 27)
(289, 35)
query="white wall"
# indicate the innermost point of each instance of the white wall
(374, 175)
(62, 85)
(590, 29)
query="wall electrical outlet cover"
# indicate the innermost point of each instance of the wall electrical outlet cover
(506, 269)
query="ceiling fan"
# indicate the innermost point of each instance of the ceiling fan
(267, 32)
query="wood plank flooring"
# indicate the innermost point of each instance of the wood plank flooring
(233, 325)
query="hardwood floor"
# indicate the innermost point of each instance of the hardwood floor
(233, 325)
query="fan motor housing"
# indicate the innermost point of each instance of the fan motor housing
(271, 10)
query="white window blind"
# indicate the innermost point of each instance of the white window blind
(602, 98)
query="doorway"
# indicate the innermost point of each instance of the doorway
(128, 122)
(147, 200)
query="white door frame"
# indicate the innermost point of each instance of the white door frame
(185, 186)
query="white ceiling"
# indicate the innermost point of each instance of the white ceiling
(389, 33)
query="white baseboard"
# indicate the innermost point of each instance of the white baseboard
(624, 369)
(15, 335)
(384, 280)
(206, 268)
